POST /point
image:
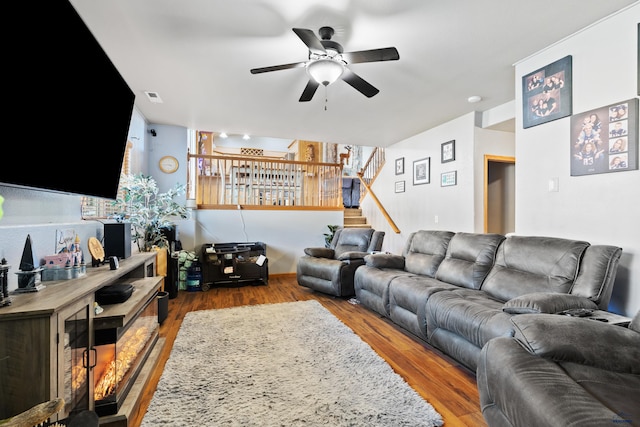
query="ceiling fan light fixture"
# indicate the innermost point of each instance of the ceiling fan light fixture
(325, 71)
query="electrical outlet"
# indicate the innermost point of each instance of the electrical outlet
(239, 207)
(435, 219)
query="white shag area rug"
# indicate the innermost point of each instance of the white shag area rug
(286, 364)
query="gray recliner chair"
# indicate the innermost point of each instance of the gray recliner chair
(331, 270)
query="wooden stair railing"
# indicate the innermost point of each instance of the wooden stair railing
(393, 225)
(367, 176)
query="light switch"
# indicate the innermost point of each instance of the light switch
(554, 185)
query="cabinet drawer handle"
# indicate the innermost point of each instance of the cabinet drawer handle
(89, 363)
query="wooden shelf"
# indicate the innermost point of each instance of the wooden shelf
(118, 315)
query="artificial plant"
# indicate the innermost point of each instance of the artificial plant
(148, 211)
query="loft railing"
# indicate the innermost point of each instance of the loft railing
(226, 182)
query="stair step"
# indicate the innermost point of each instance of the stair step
(353, 218)
(357, 226)
(353, 212)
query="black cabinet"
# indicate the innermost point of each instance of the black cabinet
(234, 263)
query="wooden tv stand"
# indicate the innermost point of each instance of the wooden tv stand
(34, 332)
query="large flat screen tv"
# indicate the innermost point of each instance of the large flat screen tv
(69, 109)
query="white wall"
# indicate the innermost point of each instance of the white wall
(603, 208)
(418, 207)
(286, 233)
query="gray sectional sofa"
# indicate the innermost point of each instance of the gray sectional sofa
(457, 291)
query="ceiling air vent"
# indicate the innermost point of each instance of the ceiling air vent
(153, 97)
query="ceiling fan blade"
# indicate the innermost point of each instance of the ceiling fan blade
(358, 83)
(309, 91)
(310, 39)
(277, 67)
(373, 55)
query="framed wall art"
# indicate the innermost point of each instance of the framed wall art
(546, 93)
(448, 179)
(400, 166)
(605, 139)
(448, 151)
(400, 185)
(421, 171)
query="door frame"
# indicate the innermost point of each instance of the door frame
(487, 159)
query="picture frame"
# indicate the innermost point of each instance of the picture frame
(605, 139)
(547, 94)
(400, 166)
(400, 186)
(422, 171)
(447, 151)
(448, 179)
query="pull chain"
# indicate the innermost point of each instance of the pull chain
(325, 98)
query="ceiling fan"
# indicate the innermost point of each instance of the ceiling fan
(328, 62)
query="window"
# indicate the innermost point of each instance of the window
(94, 207)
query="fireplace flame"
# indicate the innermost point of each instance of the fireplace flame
(130, 346)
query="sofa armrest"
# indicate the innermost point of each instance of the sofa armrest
(320, 252)
(579, 340)
(546, 302)
(385, 261)
(352, 255)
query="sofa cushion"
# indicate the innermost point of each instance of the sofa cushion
(408, 297)
(527, 264)
(352, 239)
(470, 314)
(371, 286)
(469, 259)
(426, 251)
(545, 302)
(352, 255)
(579, 340)
(597, 274)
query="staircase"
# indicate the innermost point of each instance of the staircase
(353, 218)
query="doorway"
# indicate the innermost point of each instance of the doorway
(499, 194)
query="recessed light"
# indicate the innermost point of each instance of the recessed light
(473, 99)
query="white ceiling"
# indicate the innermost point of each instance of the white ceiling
(196, 54)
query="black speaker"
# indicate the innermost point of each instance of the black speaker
(117, 240)
(171, 233)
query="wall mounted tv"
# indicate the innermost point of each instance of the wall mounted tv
(69, 107)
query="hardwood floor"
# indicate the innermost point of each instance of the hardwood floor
(450, 388)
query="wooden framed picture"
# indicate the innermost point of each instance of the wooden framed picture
(448, 152)
(546, 93)
(448, 179)
(400, 166)
(400, 185)
(421, 171)
(605, 139)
